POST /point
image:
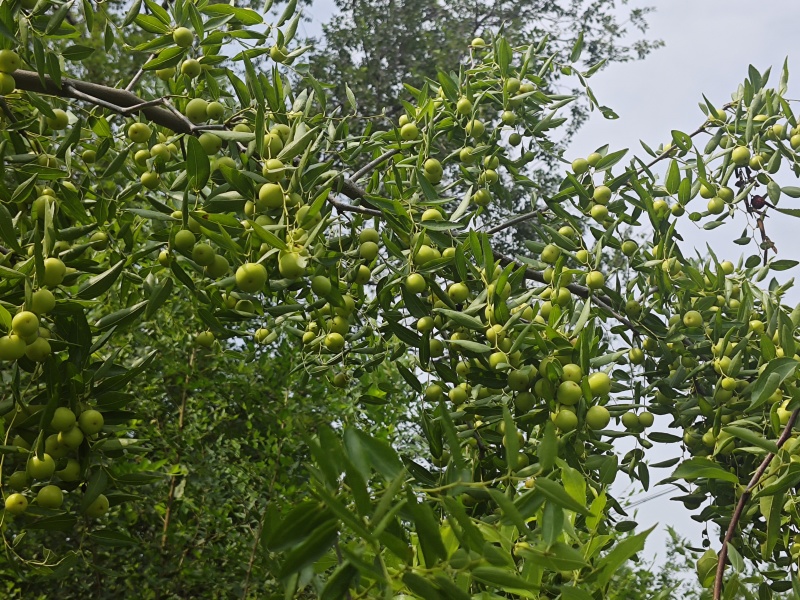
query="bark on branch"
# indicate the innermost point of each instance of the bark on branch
(111, 98)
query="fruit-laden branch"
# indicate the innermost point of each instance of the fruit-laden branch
(602, 302)
(737, 514)
(162, 113)
(120, 101)
(665, 154)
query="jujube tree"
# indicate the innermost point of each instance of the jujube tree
(370, 247)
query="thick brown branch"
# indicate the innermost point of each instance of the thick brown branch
(111, 97)
(737, 513)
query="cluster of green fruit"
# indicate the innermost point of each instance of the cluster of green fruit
(27, 336)
(59, 456)
(9, 63)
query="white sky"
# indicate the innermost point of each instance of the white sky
(709, 45)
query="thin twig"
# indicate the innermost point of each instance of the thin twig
(514, 220)
(372, 164)
(344, 207)
(737, 514)
(139, 74)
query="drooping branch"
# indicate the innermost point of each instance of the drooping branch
(737, 513)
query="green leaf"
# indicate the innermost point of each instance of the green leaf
(427, 529)
(611, 562)
(577, 48)
(157, 298)
(771, 378)
(791, 191)
(100, 284)
(505, 579)
(109, 537)
(312, 549)
(553, 491)
(123, 317)
(700, 467)
(57, 18)
(198, 167)
(751, 437)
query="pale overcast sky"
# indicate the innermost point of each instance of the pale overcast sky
(709, 45)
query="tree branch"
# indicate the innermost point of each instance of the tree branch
(737, 513)
(372, 164)
(108, 97)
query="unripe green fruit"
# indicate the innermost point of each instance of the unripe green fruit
(594, 158)
(196, 110)
(7, 84)
(215, 111)
(566, 421)
(41, 468)
(569, 393)
(415, 283)
(12, 347)
(16, 504)
(25, 324)
(50, 496)
(580, 166)
(60, 120)
(251, 277)
(599, 384)
(409, 132)
(184, 240)
(97, 508)
(482, 197)
(475, 129)
(321, 286)
(18, 481)
(54, 271)
(72, 438)
(291, 265)
(334, 342)
(630, 420)
(91, 421)
(646, 419)
(183, 37)
(740, 156)
(139, 133)
(601, 194)
(458, 292)
(43, 301)
(9, 61)
(273, 170)
(693, 319)
(150, 180)
(219, 267)
(598, 417)
(599, 213)
(203, 254)
(211, 143)
(71, 472)
(270, 196)
(368, 250)
(550, 254)
(191, 68)
(63, 419)
(463, 106)
(716, 205)
(595, 280)
(165, 74)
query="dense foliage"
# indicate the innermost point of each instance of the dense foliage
(243, 211)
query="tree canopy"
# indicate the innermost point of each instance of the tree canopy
(304, 325)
